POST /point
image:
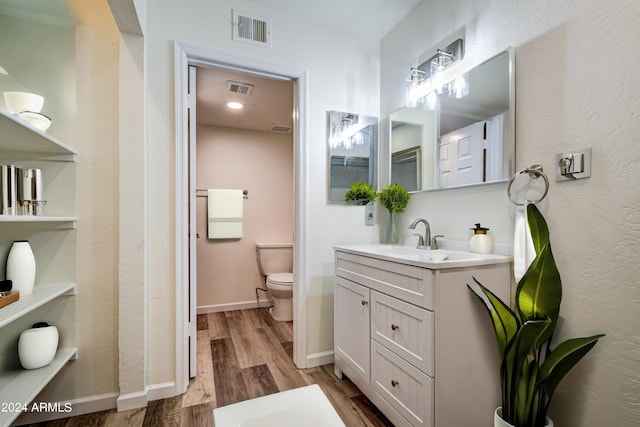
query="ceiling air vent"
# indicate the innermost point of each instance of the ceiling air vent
(280, 128)
(239, 87)
(251, 29)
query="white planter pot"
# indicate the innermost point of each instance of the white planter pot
(37, 346)
(499, 422)
(21, 267)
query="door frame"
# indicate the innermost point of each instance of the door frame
(185, 55)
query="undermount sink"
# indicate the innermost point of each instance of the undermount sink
(431, 258)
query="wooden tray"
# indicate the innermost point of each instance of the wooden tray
(9, 297)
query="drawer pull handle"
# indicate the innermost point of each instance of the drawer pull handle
(364, 302)
(394, 383)
(394, 327)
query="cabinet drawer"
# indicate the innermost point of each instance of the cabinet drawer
(408, 390)
(406, 282)
(405, 329)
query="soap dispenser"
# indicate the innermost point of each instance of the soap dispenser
(481, 242)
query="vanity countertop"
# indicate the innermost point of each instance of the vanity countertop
(433, 259)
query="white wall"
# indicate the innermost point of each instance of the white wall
(342, 75)
(577, 86)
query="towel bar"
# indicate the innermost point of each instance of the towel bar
(245, 193)
(534, 171)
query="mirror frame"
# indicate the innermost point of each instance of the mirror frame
(509, 137)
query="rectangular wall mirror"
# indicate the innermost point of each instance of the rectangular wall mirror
(463, 141)
(352, 150)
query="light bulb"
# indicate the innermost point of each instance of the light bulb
(235, 105)
(459, 88)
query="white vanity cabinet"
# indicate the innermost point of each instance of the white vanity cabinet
(52, 239)
(415, 340)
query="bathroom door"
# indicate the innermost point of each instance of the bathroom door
(462, 156)
(193, 280)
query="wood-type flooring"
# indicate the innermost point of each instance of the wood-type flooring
(241, 355)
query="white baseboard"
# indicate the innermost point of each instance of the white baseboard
(319, 359)
(132, 401)
(86, 405)
(243, 305)
(161, 391)
(101, 402)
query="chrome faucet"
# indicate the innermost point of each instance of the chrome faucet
(423, 242)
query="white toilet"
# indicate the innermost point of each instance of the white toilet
(275, 261)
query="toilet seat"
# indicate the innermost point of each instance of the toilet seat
(280, 279)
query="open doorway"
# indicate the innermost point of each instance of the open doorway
(244, 144)
(186, 233)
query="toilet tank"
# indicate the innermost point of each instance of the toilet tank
(275, 258)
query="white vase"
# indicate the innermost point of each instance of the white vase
(499, 422)
(21, 267)
(37, 346)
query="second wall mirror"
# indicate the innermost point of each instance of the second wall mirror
(352, 141)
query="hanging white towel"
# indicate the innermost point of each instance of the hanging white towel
(225, 214)
(523, 250)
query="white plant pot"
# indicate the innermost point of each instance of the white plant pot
(21, 267)
(499, 422)
(37, 346)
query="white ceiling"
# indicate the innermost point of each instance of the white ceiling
(272, 100)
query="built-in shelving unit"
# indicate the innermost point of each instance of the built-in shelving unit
(22, 140)
(41, 295)
(23, 144)
(21, 386)
(46, 221)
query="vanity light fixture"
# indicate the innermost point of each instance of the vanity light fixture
(3, 71)
(415, 83)
(431, 101)
(427, 77)
(345, 131)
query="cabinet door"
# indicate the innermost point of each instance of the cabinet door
(351, 330)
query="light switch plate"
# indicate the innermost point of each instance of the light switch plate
(578, 163)
(369, 218)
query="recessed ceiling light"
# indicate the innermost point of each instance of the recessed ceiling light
(235, 105)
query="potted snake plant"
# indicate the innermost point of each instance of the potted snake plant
(530, 368)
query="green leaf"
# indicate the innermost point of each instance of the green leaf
(562, 358)
(515, 366)
(539, 292)
(505, 321)
(537, 227)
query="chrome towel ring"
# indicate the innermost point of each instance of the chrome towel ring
(534, 171)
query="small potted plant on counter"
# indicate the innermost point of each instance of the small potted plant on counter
(361, 193)
(395, 198)
(530, 368)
